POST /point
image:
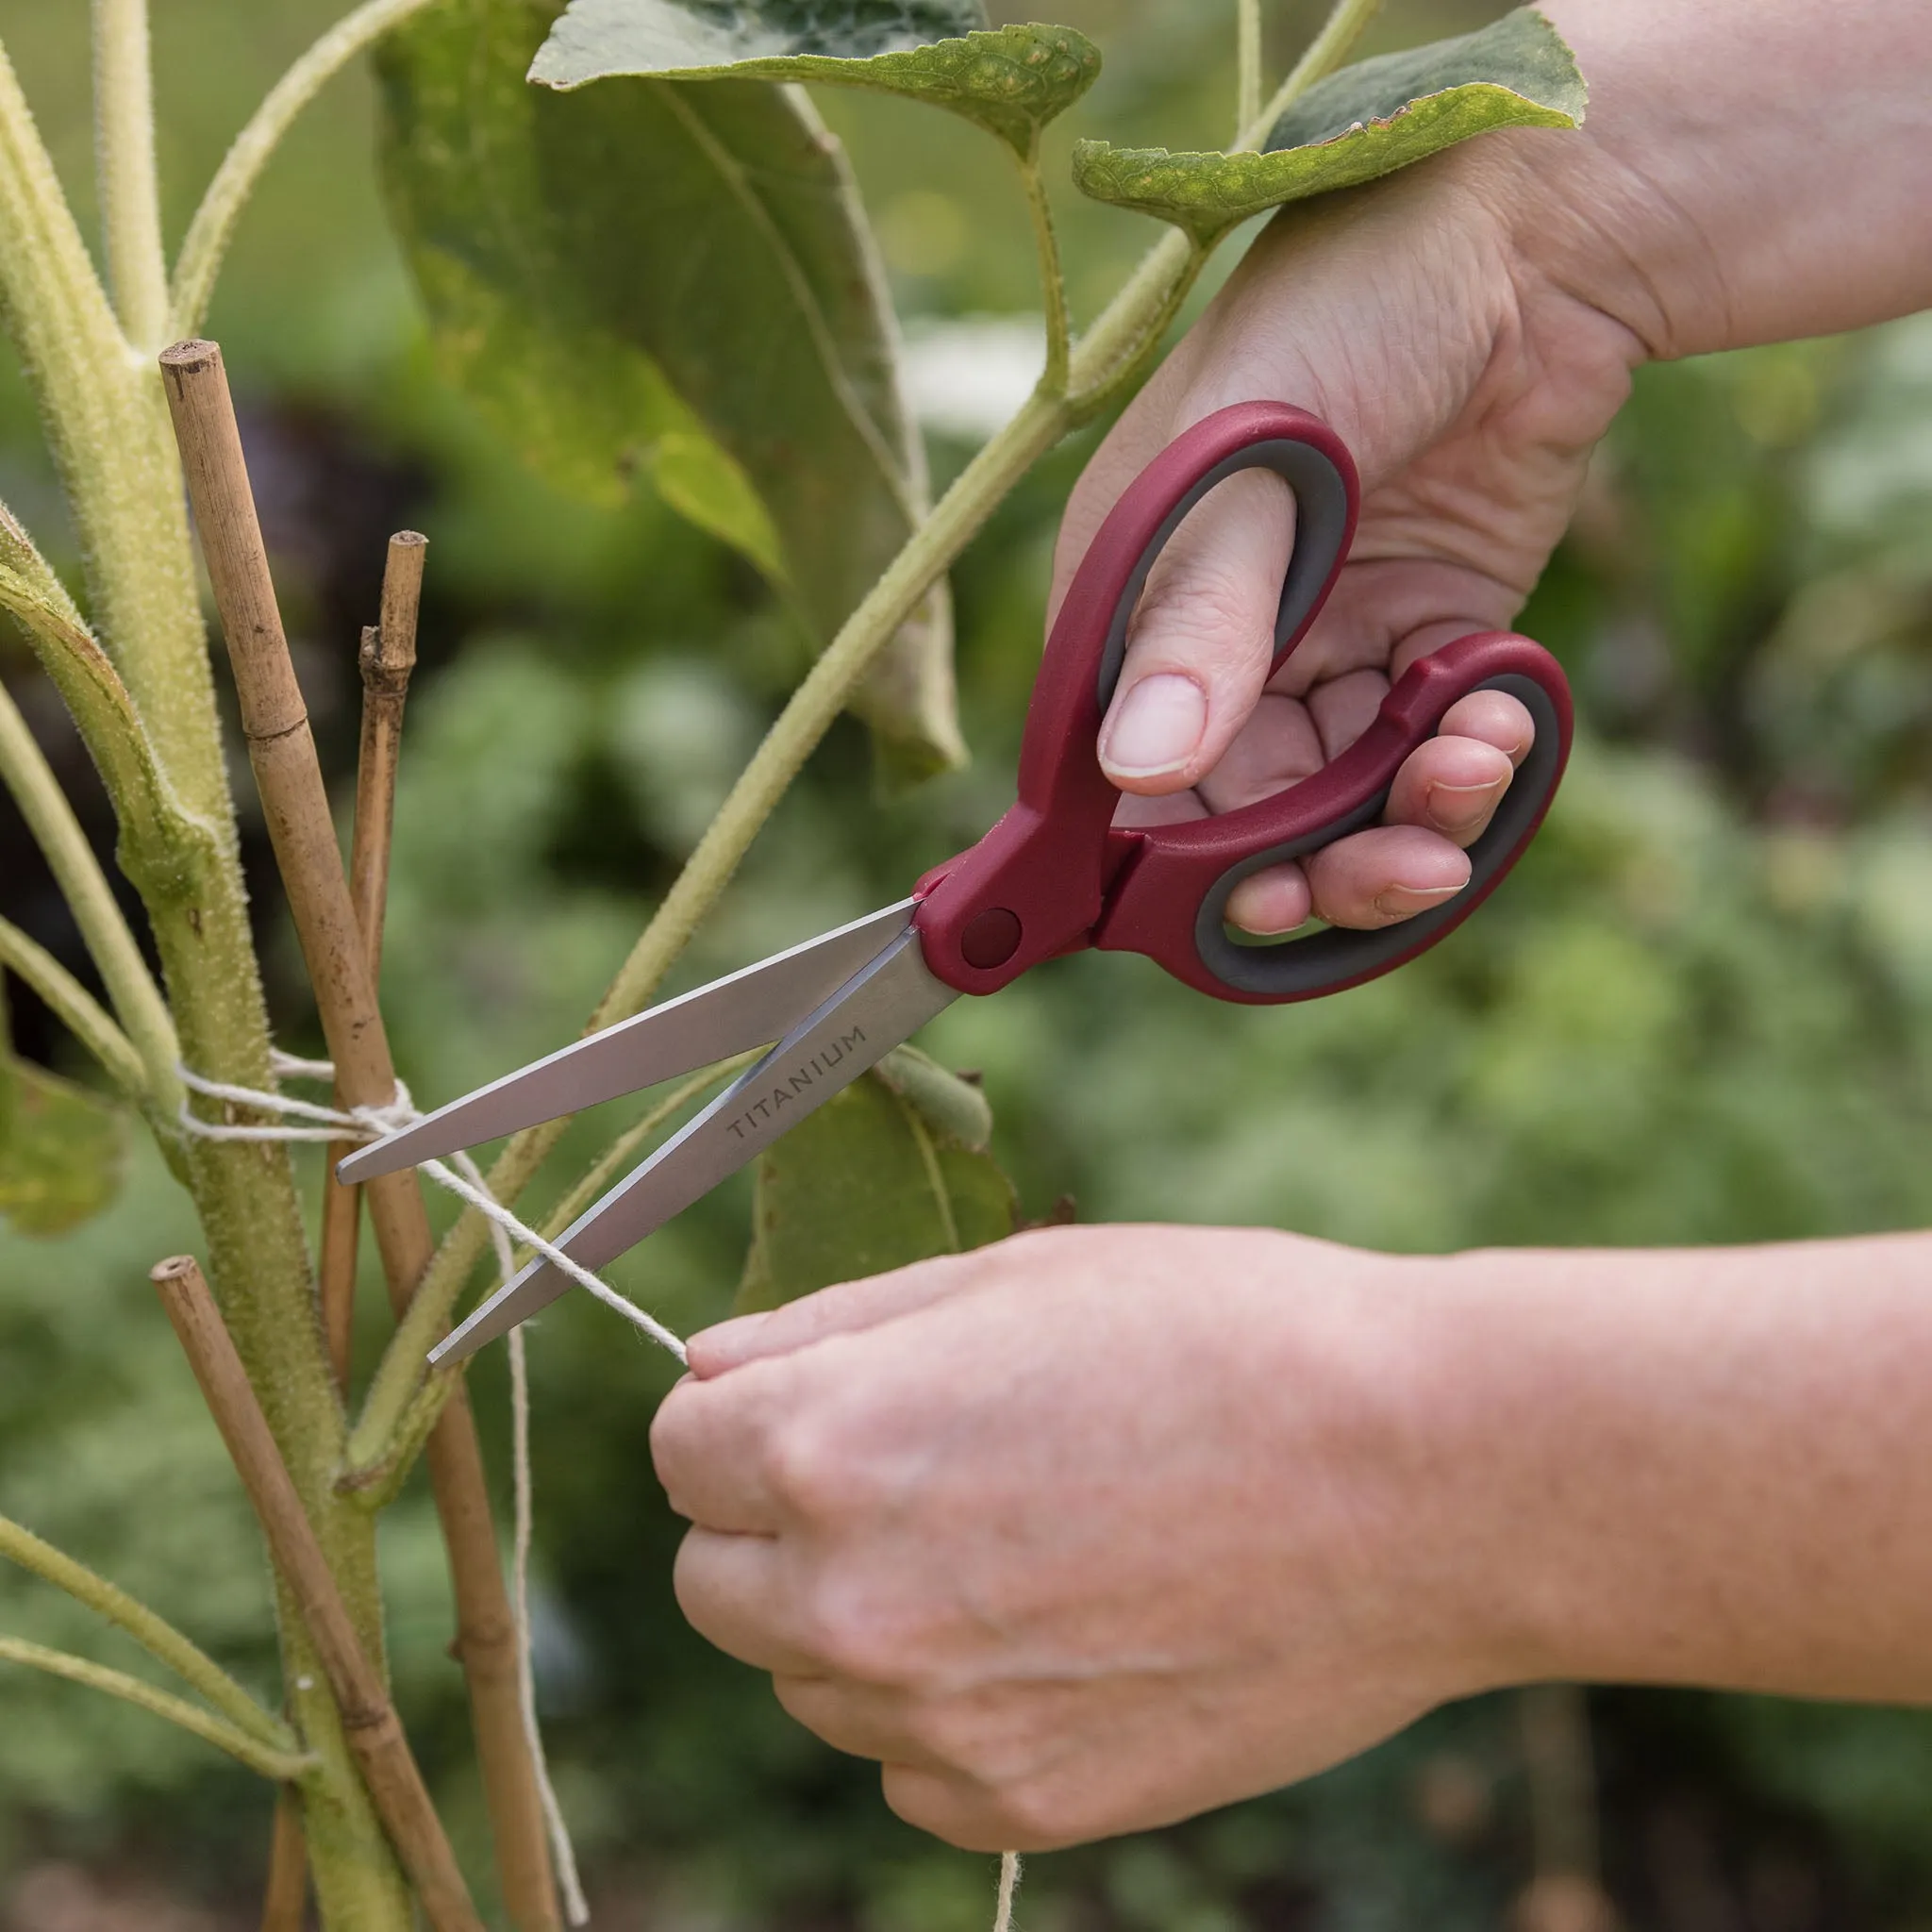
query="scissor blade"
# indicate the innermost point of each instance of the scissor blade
(743, 1010)
(889, 1000)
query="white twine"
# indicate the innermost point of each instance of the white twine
(1009, 1884)
(523, 1509)
(372, 1124)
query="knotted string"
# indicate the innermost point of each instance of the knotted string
(372, 1124)
(464, 1179)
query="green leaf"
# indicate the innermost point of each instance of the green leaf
(1364, 122)
(645, 282)
(1010, 80)
(894, 1170)
(699, 37)
(60, 1148)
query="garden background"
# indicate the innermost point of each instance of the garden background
(1701, 1011)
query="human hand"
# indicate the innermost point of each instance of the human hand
(1471, 388)
(1070, 1551)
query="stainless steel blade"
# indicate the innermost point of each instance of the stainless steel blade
(887, 1001)
(743, 1010)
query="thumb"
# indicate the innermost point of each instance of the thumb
(1200, 641)
(841, 1310)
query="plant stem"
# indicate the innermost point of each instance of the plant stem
(155, 1634)
(281, 750)
(808, 715)
(215, 1730)
(76, 1008)
(1109, 357)
(1321, 57)
(108, 435)
(374, 1732)
(150, 1031)
(124, 171)
(1053, 279)
(107, 431)
(1125, 336)
(1247, 91)
(1127, 330)
(213, 227)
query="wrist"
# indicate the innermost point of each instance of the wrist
(1494, 1383)
(1699, 223)
(1383, 1434)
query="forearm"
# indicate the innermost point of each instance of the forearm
(1750, 170)
(1696, 1466)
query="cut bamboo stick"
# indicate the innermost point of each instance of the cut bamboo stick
(369, 1720)
(295, 806)
(285, 1897)
(388, 657)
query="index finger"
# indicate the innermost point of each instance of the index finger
(837, 1310)
(711, 1442)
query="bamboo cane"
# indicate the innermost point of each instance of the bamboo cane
(285, 1897)
(387, 657)
(369, 1720)
(295, 804)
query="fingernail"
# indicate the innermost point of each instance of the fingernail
(1455, 808)
(1156, 728)
(1404, 902)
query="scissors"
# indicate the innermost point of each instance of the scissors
(1054, 876)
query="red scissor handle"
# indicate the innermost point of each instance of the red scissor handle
(1055, 874)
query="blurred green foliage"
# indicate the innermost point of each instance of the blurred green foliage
(1702, 1011)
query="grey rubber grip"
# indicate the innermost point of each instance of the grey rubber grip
(1338, 956)
(1320, 529)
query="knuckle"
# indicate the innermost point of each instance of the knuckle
(806, 1471)
(854, 1634)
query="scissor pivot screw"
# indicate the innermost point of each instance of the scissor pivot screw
(991, 939)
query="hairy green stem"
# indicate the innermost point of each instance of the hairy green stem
(1110, 358)
(1247, 86)
(109, 431)
(124, 171)
(213, 227)
(154, 1635)
(955, 518)
(75, 1009)
(27, 775)
(1323, 55)
(1053, 279)
(1127, 333)
(270, 1762)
